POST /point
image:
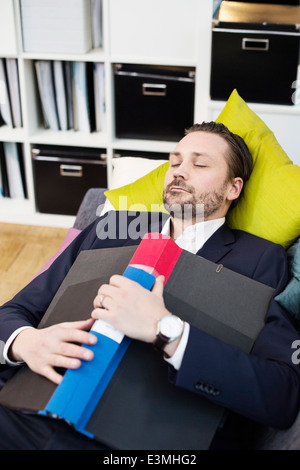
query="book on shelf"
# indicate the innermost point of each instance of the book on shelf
(99, 92)
(96, 12)
(5, 104)
(4, 180)
(10, 99)
(84, 99)
(68, 66)
(12, 170)
(14, 91)
(72, 95)
(44, 72)
(59, 78)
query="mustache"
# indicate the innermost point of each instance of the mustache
(180, 184)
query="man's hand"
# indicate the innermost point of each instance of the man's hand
(47, 348)
(131, 308)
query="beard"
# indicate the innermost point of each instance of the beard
(189, 204)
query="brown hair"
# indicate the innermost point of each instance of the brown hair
(239, 158)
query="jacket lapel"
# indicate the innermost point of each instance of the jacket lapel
(218, 245)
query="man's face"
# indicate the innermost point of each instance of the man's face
(198, 175)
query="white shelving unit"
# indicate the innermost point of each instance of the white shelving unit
(160, 32)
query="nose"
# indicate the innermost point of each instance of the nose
(181, 171)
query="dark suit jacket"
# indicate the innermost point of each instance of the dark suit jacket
(263, 386)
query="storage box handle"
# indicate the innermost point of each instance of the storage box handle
(249, 44)
(154, 89)
(71, 170)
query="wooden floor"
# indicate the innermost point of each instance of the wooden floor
(24, 249)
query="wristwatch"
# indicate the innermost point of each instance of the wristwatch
(169, 328)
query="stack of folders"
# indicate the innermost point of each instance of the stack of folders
(12, 171)
(10, 102)
(71, 26)
(72, 95)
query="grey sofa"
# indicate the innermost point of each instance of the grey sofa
(90, 207)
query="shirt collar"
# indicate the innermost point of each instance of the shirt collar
(194, 236)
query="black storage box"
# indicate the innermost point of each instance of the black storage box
(62, 176)
(255, 49)
(153, 102)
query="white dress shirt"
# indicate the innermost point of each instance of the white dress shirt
(192, 239)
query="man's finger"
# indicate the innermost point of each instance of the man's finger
(74, 335)
(80, 324)
(158, 287)
(51, 374)
(74, 351)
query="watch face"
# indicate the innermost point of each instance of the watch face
(171, 326)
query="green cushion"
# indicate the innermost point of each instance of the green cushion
(270, 206)
(145, 194)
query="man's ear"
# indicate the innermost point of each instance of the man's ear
(236, 188)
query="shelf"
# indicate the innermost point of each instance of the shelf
(21, 211)
(9, 134)
(71, 138)
(143, 145)
(94, 55)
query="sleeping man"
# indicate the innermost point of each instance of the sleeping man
(208, 168)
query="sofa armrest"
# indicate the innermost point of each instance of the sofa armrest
(89, 208)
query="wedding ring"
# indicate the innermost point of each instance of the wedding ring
(102, 297)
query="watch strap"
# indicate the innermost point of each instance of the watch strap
(160, 341)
